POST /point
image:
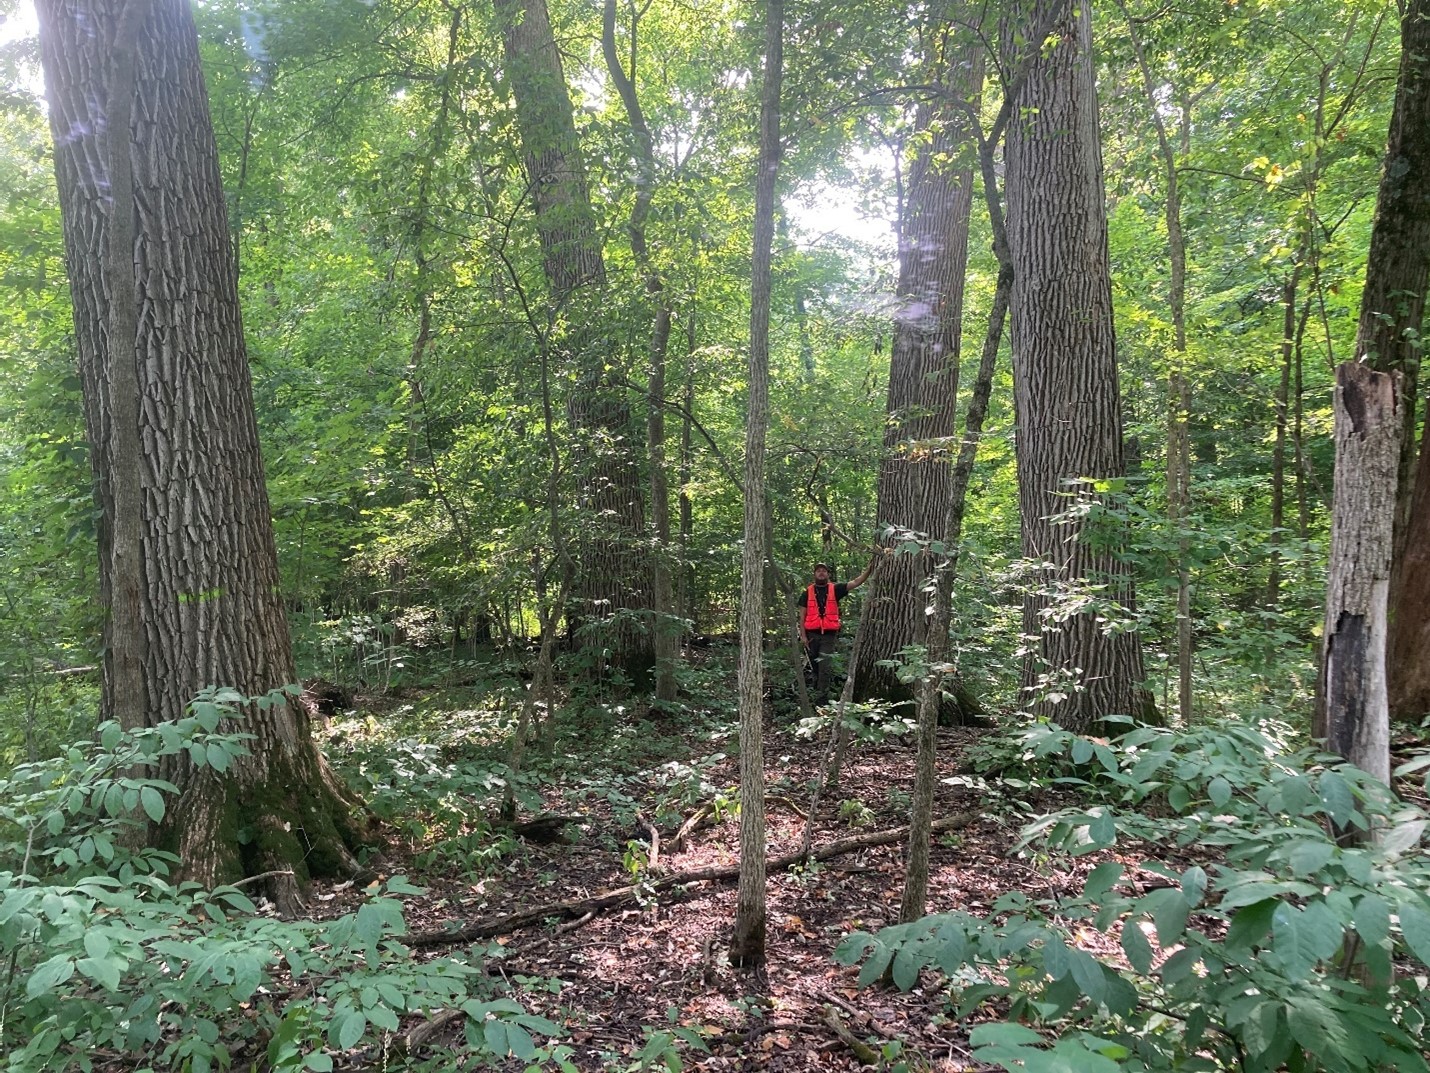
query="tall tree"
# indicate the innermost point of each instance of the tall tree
(1375, 405)
(747, 945)
(614, 581)
(1065, 367)
(185, 531)
(923, 364)
(1395, 292)
(666, 635)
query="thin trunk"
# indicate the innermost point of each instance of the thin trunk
(1065, 369)
(747, 945)
(1179, 462)
(1278, 451)
(421, 262)
(686, 599)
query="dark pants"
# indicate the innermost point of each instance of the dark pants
(821, 657)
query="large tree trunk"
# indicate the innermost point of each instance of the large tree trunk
(1064, 365)
(664, 627)
(1409, 656)
(923, 368)
(209, 608)
(1356, 719)
(1396, 283)
(747, 943)
(613, 583)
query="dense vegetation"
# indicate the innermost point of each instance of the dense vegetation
(505, 335)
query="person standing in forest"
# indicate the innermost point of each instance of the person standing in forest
(819, 625)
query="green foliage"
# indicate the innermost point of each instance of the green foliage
(105, 955)
(1280, 955)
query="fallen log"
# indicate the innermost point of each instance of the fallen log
(526, 918)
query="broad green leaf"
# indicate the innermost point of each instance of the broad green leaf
(103, 971)
(1251, 923)
(906, 968)
(1403, 837)
(494, 1032)
(348, 1029)
(1102, 879)
(1309, 856)
(1337, 798)
(1219, 790)
(1136, 947)
(1002, 1034)
(1372, 918)
(153, 802)
(1415, 927)
(48, 975)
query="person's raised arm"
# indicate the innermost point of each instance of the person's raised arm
(868, 570)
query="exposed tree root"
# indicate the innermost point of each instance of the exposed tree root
(526, 918)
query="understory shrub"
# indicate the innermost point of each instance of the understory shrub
(106, 960)
(1285, 949)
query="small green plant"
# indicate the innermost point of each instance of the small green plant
(663, 1046)
(1279, 957)
(854, 813)
(105, 955)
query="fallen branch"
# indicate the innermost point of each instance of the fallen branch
(861, 1050)
(526, 918)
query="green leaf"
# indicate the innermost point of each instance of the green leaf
(318, 1062)
(1169, 913)
(906, 969)
(103, 971)
(519, 1042)
(1179, 797)
(1318, 1029)
(218, 757)
(1136, 947)
(348, 1029)
(1372, 918)
(1251, 923)
(1309, 856)
(1081, 751)
(48, 975)
(1403, 837)
(1415, 927)
(494, 1032)
(1001, 1034)
(1102, 879)
(1219, 790)
(1337, 798)
(851, 948)
(153, 802)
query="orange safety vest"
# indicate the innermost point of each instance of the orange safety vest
(812, 618)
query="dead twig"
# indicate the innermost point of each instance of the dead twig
(526, 918)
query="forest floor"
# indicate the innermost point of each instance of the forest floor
(645, 967)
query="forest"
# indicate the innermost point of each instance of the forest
(651, 535)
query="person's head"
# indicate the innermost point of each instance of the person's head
(821, 573)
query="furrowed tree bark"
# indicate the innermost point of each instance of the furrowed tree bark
(923, 369)
(1065, 369)
(612, 589)
(666, 633)
(1353, 692)
(747, 944)
(1393, 338)
(209, 609)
